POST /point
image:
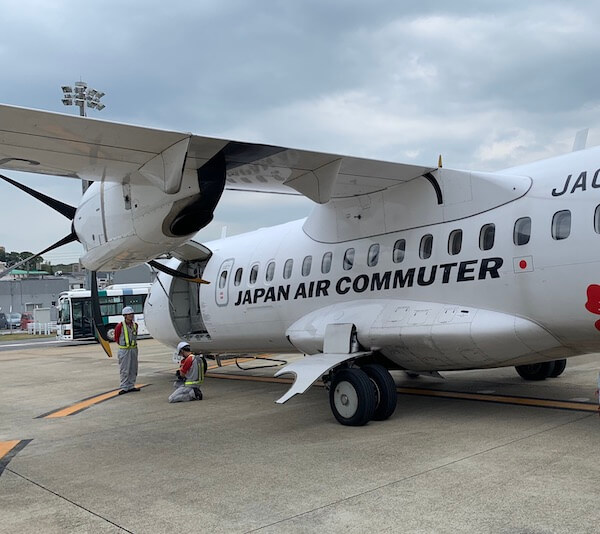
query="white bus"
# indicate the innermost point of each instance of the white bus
(75, 319)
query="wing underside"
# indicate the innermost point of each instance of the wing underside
(81, 147)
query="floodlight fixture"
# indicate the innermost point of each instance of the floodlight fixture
(82, 96)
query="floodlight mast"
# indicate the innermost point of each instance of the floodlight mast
(82, 96)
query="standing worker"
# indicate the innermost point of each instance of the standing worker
(126, 337)
(191, 373)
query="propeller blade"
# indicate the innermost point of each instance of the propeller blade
(62, 208)
(99, 326)
(175, 273)
(67, 239)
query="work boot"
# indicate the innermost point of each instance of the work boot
(123, 391)
(198, 394)
(134, 389)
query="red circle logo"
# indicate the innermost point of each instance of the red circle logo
(523, 264)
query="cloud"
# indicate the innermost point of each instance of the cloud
(487, 84)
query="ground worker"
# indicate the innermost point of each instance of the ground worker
(190, 375)
(126, 337)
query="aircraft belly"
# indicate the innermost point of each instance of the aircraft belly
(429, 336)
(255, 329)
(491, 339)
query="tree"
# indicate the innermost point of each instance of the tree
(12, 258)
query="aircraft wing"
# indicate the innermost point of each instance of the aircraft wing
(82, 147)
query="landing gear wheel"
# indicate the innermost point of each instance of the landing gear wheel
(386, 397)
(536, 371)
(559, 367)
(352, 397)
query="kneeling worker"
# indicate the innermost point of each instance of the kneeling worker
(191, 370)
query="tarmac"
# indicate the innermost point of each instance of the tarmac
(481, 451)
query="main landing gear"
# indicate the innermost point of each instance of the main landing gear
(541, 371)
(357, 395)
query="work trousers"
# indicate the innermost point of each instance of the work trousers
(128, 367)
(184, 394)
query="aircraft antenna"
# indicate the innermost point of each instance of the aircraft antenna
(440, 161)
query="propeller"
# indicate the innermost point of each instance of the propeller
(100, 327)
(175, 273)
(67, 239)
(67, 211)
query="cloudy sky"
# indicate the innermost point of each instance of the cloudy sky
(487, 84)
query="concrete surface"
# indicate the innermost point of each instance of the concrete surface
(237, 462)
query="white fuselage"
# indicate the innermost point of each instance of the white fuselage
(507, 305)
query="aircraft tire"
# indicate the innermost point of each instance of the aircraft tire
(386, 397)
(559, 367)
(536, 371)
(352, 397)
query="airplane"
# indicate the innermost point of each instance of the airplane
(422, 269)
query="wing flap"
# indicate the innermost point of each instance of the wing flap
(82, 147)
(76, 147)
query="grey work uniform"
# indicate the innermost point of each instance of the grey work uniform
(128, 356)
(190, 390)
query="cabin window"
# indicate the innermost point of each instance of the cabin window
(238, 276)
(326, 262)
(270, 271)
(455, 242)
(561, 225)
(348, 259)
(426, 246)
(486, 236)
(373, 255)
(222, 279)
(399, 250)
(597, 219)
(287, 268)
(306, 265)
(254, 273)
(522, 231)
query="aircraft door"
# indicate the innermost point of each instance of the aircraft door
(222, 285)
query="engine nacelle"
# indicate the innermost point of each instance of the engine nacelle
(124, 224)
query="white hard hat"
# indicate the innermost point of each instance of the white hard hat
(182, 345)
(127, 310)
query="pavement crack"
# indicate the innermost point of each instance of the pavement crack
(416, 475)
(68, 500)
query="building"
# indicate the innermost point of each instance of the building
(28, 294)
(22, 291)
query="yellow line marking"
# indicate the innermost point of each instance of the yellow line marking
(7, 446)
(524, 401)
(69, 410)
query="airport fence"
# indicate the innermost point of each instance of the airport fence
(42, 328)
